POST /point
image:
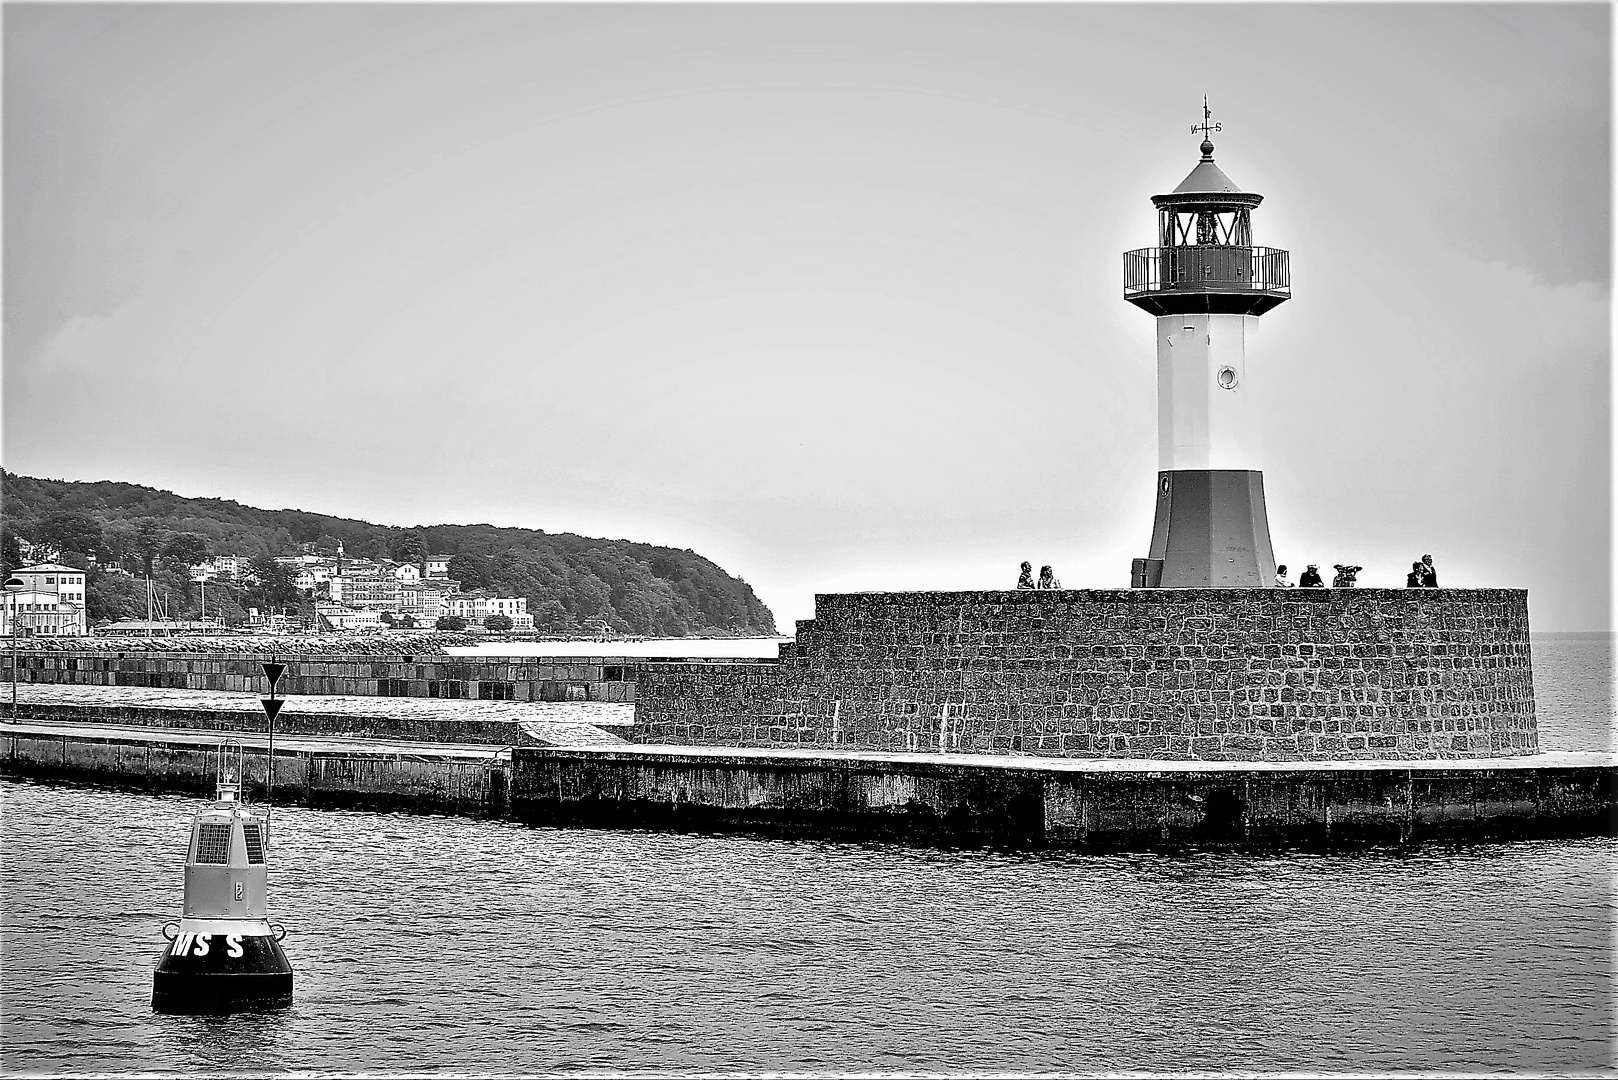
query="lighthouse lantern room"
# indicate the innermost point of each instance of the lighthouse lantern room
(1207, 284)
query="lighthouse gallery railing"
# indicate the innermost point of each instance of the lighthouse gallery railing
(1206, 268)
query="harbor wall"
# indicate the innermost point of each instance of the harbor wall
(955, 802)
(1178, 674)
(336, 778)
(583, 678)
(298, 721)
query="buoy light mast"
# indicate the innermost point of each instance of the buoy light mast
(1207, 284)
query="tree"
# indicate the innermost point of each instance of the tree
(120, 543)
(70, 530)
(497, 622)
(551, 615)
(148, 541)
(450, 622)
(10, 551)
(407, 622)
(275, 587)
(388, 619)
(407, 546)
(472, 571)
(109, 597)
(187, 549)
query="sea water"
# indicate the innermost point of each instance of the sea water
(436, 943)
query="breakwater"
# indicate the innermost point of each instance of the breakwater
(1117, 805)
(580, 678)
(1177, 674)
(402, 719)
(948, 801)
(309, 772)
(938, 799)
(237, 643)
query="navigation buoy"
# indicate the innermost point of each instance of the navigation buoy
(224, 953)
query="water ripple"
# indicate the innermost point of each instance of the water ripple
(491, 947)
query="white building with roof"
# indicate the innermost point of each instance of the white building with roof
(340, 617)
(51, 602)
(474, 607)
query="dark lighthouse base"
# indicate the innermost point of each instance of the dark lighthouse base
(1211, 531)
(259, 976)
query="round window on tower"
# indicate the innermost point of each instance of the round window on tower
(1227, 377)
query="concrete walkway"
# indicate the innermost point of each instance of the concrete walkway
(748, 755)
(558, 723)
(123, 733)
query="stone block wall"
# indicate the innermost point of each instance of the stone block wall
(1215, 674)
(585, 678)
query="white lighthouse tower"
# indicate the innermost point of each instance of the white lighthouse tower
(1207, 285)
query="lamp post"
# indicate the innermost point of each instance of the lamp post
(14, 585)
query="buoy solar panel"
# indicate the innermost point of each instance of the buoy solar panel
(224, 954)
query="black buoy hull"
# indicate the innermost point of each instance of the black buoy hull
(212, 973)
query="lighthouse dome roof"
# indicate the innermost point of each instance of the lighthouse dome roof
(1207, 185)
(1206, 177)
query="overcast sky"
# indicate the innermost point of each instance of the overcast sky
(830, 294)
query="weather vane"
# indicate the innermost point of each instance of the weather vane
(1206, 127)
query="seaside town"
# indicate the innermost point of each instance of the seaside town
(47, 598)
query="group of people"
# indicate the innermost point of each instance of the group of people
(1421, 576)
(1047, 580)
(1309, 579)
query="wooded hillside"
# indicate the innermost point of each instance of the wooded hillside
(570, 581)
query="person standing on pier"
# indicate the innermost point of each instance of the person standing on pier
(1025, 580)
(1310, 578)
(1047, 580)
(1281, 581)
(1429, 573)
(1417, 578)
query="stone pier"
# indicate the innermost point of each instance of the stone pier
(1172, 674)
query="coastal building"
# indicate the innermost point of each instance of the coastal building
(228, 565)
(308, 577)
(66, 582)
(371, 592)
(41, 614)
(476, 606)
(51, 601)
(273, 622)
(342, 617)
(426, 601)
(438, 565)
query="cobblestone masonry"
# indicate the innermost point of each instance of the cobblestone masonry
(1213, 674)
(587, 678)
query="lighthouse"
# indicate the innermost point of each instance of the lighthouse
(1207, 285)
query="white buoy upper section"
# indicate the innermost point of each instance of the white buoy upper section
(225, 874)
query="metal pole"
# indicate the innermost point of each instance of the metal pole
(269, 770)
(13, 598)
